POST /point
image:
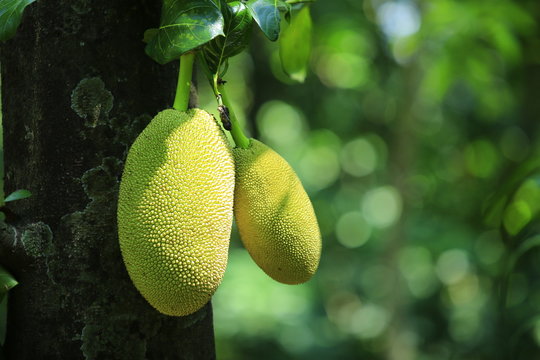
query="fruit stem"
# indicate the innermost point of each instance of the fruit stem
(181, 100)
(236, 129)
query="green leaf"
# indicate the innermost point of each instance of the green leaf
(185, 25)
(7, 282)
(495, 205)
(524, 247)
(238, 25)
(295, 45)
(266, 14)
(18, 195)
(524, 207)
(149, 34)
(10, 16)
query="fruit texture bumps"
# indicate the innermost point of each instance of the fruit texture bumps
(175, 210)
(274, 215)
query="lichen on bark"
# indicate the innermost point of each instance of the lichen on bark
(75, 299)
(92, 101)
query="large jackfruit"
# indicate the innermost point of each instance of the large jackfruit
(274, 215)
(175, 210)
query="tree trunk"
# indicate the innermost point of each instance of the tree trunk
(77, 88)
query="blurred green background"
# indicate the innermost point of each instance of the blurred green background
(416, 136)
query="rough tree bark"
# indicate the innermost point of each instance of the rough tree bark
(77, 88)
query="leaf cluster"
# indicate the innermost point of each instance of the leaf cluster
(220, 29)
(10, 16)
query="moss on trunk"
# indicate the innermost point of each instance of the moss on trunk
(77, 88)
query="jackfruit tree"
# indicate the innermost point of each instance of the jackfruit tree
(79, 94)
(77, 89)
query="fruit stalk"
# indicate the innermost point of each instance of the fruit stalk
(181, 100)
(240, 139)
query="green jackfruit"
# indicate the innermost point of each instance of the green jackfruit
(175, 210)
(274, 215)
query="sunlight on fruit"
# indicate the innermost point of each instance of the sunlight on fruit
(382, 206)
(415, 133)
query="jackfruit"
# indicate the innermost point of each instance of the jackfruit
(175, 210)
(274, 215)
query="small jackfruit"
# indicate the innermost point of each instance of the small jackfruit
(175, 210)
(274, 215)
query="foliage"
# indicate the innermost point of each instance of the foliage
(222, 29)
(18, 195)
(10, 16)
(294, 48)
(185, 25)
(416, 136)
(237, 31)
(7, 282)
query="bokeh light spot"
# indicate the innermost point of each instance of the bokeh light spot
(398, 19)
(369, 321)
(382, 206)
(352, 230)
(465, 290)
(481, 158)
(280, 124)
(240, 310)
(319, 165)
(343, 70)
(452, 266)
(416, 265)
(464, 323)
(359, 157)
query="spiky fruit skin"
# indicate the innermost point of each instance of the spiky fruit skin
(175, 210)
(274, 215)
